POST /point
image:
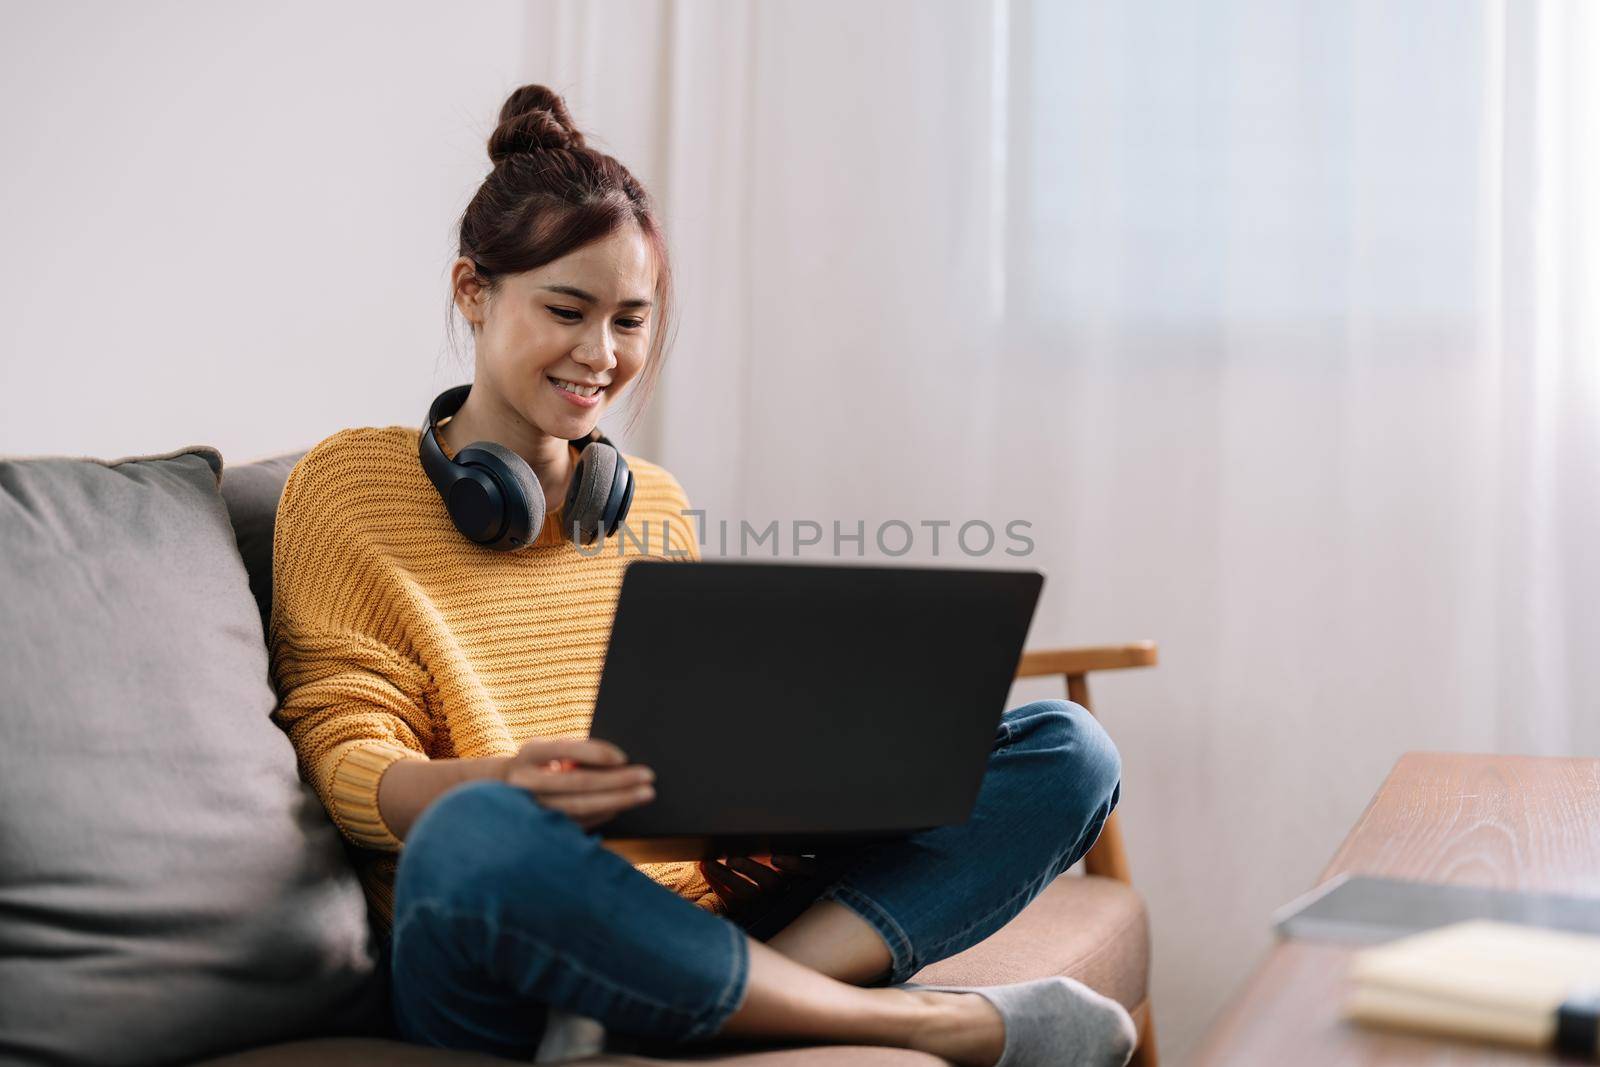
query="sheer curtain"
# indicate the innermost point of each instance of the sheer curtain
(1277, 322)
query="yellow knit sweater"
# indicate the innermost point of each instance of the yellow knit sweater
(394, 637)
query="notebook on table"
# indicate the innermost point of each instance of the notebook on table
(1364, 909)
(1487, 981)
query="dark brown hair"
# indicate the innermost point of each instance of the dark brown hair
(549, 195)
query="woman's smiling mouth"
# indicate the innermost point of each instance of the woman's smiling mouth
(584, 396)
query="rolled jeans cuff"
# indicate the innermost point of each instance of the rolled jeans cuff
(902, 955)
(733, 993)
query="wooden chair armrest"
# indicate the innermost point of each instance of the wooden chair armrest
(1070, 661)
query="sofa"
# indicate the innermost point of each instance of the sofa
(170, 891)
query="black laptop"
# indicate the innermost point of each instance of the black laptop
(798, 707)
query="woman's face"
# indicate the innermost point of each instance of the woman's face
(581, 322)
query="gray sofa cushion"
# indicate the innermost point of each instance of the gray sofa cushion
(169, 889)
(252, 492)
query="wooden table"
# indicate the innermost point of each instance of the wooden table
(1509, 822)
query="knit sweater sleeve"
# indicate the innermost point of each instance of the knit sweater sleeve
(351, 702)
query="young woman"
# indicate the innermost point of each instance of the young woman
(437, 646)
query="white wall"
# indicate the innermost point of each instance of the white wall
(229, 223)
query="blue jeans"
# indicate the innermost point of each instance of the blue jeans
(503, 906)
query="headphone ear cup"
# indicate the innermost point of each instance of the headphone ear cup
(589, 492)
(524, 499)
(625, 475)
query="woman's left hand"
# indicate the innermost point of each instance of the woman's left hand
(743, 883)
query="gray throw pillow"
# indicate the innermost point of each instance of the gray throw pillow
(169, 888)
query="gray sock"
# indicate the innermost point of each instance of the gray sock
(1056, 1022)
(568, 1037)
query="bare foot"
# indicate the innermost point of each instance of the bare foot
(964, 1028)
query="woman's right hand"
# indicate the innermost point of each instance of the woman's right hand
(590, 781)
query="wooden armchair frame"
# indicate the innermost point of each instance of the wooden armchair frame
(1109, 857)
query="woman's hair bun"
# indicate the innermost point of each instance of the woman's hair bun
(533, 119)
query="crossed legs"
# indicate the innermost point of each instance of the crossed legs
(503, 906)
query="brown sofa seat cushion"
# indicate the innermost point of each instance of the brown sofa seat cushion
(1092, 929)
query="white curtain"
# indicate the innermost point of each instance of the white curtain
(1276, 321)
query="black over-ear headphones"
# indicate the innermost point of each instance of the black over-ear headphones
(494, 497)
